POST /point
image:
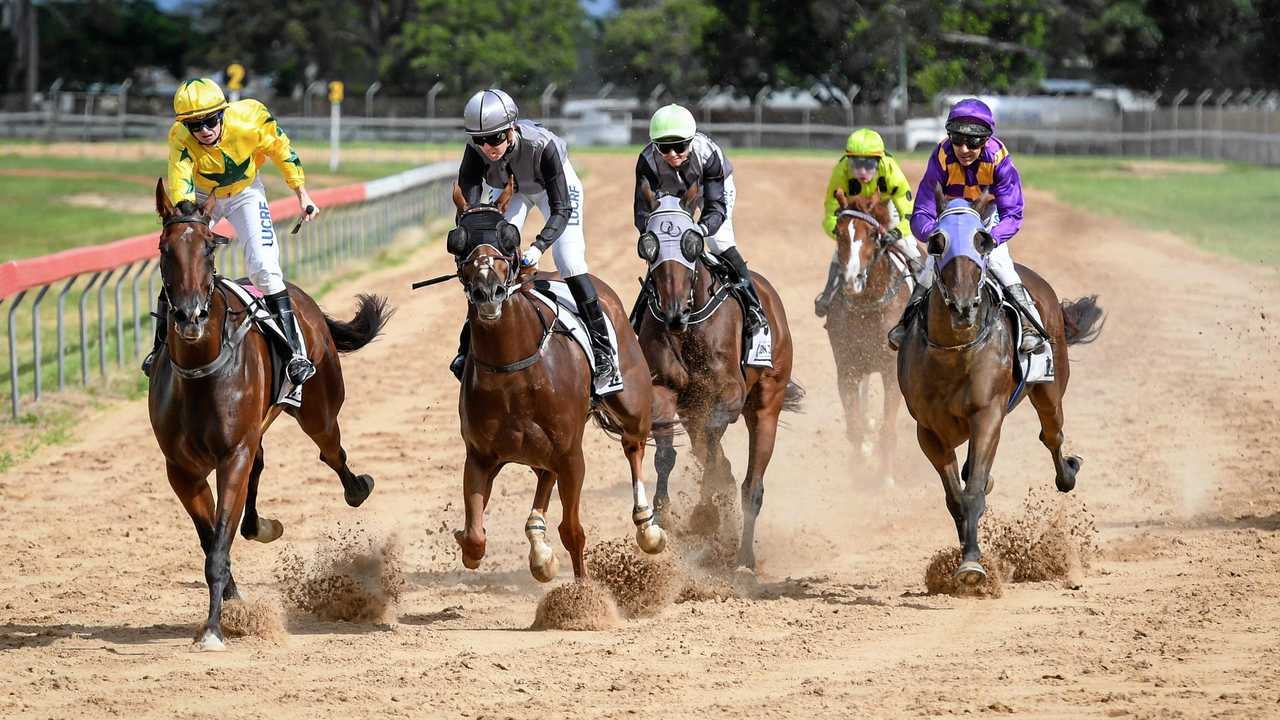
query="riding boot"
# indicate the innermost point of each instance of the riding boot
(464, 344)
(162, 329)
(584, 294)
(754, 316)
(299, 368)
(822, 303)
(1032, 340)
(899, 332)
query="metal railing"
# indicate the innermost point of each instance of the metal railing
(358, 221)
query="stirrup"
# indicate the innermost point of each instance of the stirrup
(300, 369)
(603, 368)
(821, 304)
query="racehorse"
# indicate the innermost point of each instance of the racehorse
(210, 399)
(956, 367)
(527, 394)
(693, 342)
(870, 298)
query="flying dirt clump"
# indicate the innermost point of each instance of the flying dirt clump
(258, 617)
(351, 576)
(576, 606)
(1053, 539)
(641, 584)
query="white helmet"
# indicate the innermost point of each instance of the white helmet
(489, 111)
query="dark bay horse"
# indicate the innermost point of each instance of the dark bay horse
(955, 368)
(526, 395)
(210, 397)
(693, 342)
(872, 293)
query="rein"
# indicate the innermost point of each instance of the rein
(881, 250)
(229, 342)
(702, 314)
(529, 360)
(983, 333)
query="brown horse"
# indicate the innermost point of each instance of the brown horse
(692, 339)
(955, 368)
(210, 397)
(872, 293)
(526, 394)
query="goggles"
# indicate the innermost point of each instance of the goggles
(860, 162)
(972, 142)
(492, 140)
(672, 146)
(208, 121)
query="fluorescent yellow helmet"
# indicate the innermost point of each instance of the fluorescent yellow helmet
(197, 98)
(864, 143)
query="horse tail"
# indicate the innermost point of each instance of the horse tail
(1082, 320)
(793, 397)
(371, 317)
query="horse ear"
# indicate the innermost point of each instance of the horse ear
(164, 207)
(985, 205)
(646, 192)
(841, 197)
(875, 198)
(459, 200)
(505, 198)
(207, 208)
(691, 197)
(939, 198)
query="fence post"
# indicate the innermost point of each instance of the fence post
(1175, 140)
(35, 337)
(1222, 100)
(137, 316)
(13, 354)
(1200, 100)
(124, 275)
(84, 330)
(102, 323)
(62, 334)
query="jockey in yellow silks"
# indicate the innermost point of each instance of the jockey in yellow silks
(867, 169)
(217, 148)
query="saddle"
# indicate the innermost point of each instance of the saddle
(555, 295)
(283, 392)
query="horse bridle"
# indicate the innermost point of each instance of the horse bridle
(508, 283)
(696, 317)
(947, 298)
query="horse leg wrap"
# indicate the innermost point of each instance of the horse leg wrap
(542, 559)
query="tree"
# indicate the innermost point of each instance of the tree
(469, 44)
(105, 41)
(658, 41)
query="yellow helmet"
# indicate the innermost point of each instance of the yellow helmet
(864, 143)
(197, 98)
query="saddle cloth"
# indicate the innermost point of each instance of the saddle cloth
(757, 349)
(283, 392)
(555, 295)
(1036, 367)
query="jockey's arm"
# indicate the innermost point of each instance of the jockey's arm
(640, 206)
(180, 180)
(1008, 191)
(713, 207)
(275, 143)
(839, 179)
(557, 187)
(471, 175)
(924, 213)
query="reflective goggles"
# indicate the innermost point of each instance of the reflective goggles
(492, 140)
(208, 121)
(973, 142)
(860, 162)
(672, 146)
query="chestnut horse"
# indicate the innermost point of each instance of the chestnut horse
(871, 296)
(692, 338)
(527, 394)
(210, 399)
(955, 368)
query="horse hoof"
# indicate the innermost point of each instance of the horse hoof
(651, 538)
(208, 642)
(269, 530)
(359, 491)
(543, 564)
(1067, 481)
(470, 562)
(970, 573)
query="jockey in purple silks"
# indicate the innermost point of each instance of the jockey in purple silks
(968, 162)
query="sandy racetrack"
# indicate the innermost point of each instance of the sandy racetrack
(1174, 411)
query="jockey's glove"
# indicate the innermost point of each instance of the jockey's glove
(530, 256)
(895, 234)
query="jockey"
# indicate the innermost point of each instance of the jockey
(866, 169)
(969, 161)
(679, 157)
(502, 146)
(217, 147)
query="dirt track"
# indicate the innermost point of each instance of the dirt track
(1174, 411)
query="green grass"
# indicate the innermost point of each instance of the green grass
(1228, 209)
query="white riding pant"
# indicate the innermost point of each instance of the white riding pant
(250, 215)
(570, 249)
(724, 238)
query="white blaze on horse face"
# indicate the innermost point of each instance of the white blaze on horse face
(852, 269)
